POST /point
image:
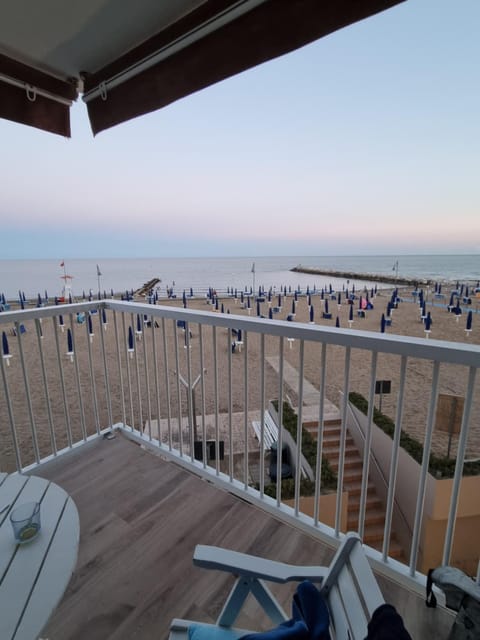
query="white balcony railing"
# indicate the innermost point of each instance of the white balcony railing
(168, 377)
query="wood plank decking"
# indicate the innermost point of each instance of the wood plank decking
(140, 519)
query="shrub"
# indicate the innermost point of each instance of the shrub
(439, 466)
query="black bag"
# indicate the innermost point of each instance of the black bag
(462, 594)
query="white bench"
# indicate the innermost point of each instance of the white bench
(270, 431)
(348, 587)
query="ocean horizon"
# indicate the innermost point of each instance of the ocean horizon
(37, 276)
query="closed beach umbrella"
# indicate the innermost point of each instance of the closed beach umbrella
(312, 314)
(69, 298)
(61, 323)
(258, 308)
(139, 326)
(104, 319)
(279, 299)
(22, 303)
(90, 327)
(70, 344)
(326, 306)
(450, 304)
(293, 306)
(350, 315)
(216, 303)
(428, 323)
(468, 327)
(184, 299)
(5, 349)
(83, 295)
(382, 323)
(239, 335)
(270, 313)
(339, 301)
(39, 300)
(222, 309)
(241, 296)
(337, 322)
(131, 347)
(248, 302)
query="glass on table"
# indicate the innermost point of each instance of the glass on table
(25, 521)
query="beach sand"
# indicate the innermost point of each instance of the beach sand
(132, 382)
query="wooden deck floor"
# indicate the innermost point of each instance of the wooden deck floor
(141, 518)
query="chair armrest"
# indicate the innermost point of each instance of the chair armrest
(246, 565)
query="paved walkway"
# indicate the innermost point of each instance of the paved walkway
(311, 395)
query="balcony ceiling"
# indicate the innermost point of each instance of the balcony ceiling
(51, 51)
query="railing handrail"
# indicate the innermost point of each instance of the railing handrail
(419, 348)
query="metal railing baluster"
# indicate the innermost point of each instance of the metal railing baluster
(27, 393)
(343, 437)
(320, 432)
(424, 471)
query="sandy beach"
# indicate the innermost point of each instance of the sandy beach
(78, 402)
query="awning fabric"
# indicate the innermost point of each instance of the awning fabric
(270, 29)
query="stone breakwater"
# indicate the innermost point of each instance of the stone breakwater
(370, 277)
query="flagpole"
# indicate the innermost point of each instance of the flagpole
(98, 278)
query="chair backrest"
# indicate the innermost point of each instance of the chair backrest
(351, 591)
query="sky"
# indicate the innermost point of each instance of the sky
(364, 142)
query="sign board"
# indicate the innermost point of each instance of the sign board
(383, 386)
(449, 413)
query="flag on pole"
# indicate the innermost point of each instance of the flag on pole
(99, 273)
(62, 263)
(253, 268)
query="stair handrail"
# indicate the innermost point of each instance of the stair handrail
(379, 469)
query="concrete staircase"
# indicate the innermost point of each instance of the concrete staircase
(352, 482)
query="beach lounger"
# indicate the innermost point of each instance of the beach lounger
(347, 586)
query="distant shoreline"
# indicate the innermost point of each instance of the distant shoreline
(370, 277)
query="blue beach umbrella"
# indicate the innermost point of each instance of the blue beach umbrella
(339, 300)
(139, 326)
(293, 306)
(279, 299)
(312, 314)
(350, 314)
(184, 299)
(61, 323)
(239, 335)
(270, 313)
(22, 303)
(70, 344)
(69, 298)
(90, 327)
(39, 300)
(428, 323)
(326, 306)
(191, 292)
(104, 319)
(468, 327)
(258, 308)
(382, 323)
(216, 303)
(130, 343)
(337, 322)
(450, 304)
(222, 309)
(5, 347)
(83, 295)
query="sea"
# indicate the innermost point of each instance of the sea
(32, 277)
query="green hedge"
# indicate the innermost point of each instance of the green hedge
(309, 450)
(439, 466)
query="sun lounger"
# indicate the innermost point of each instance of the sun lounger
(348, 588)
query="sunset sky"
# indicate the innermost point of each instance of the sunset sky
(366, 141)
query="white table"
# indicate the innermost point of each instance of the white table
(34, 576)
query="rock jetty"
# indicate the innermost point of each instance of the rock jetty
(148, 286)
(369, 277)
